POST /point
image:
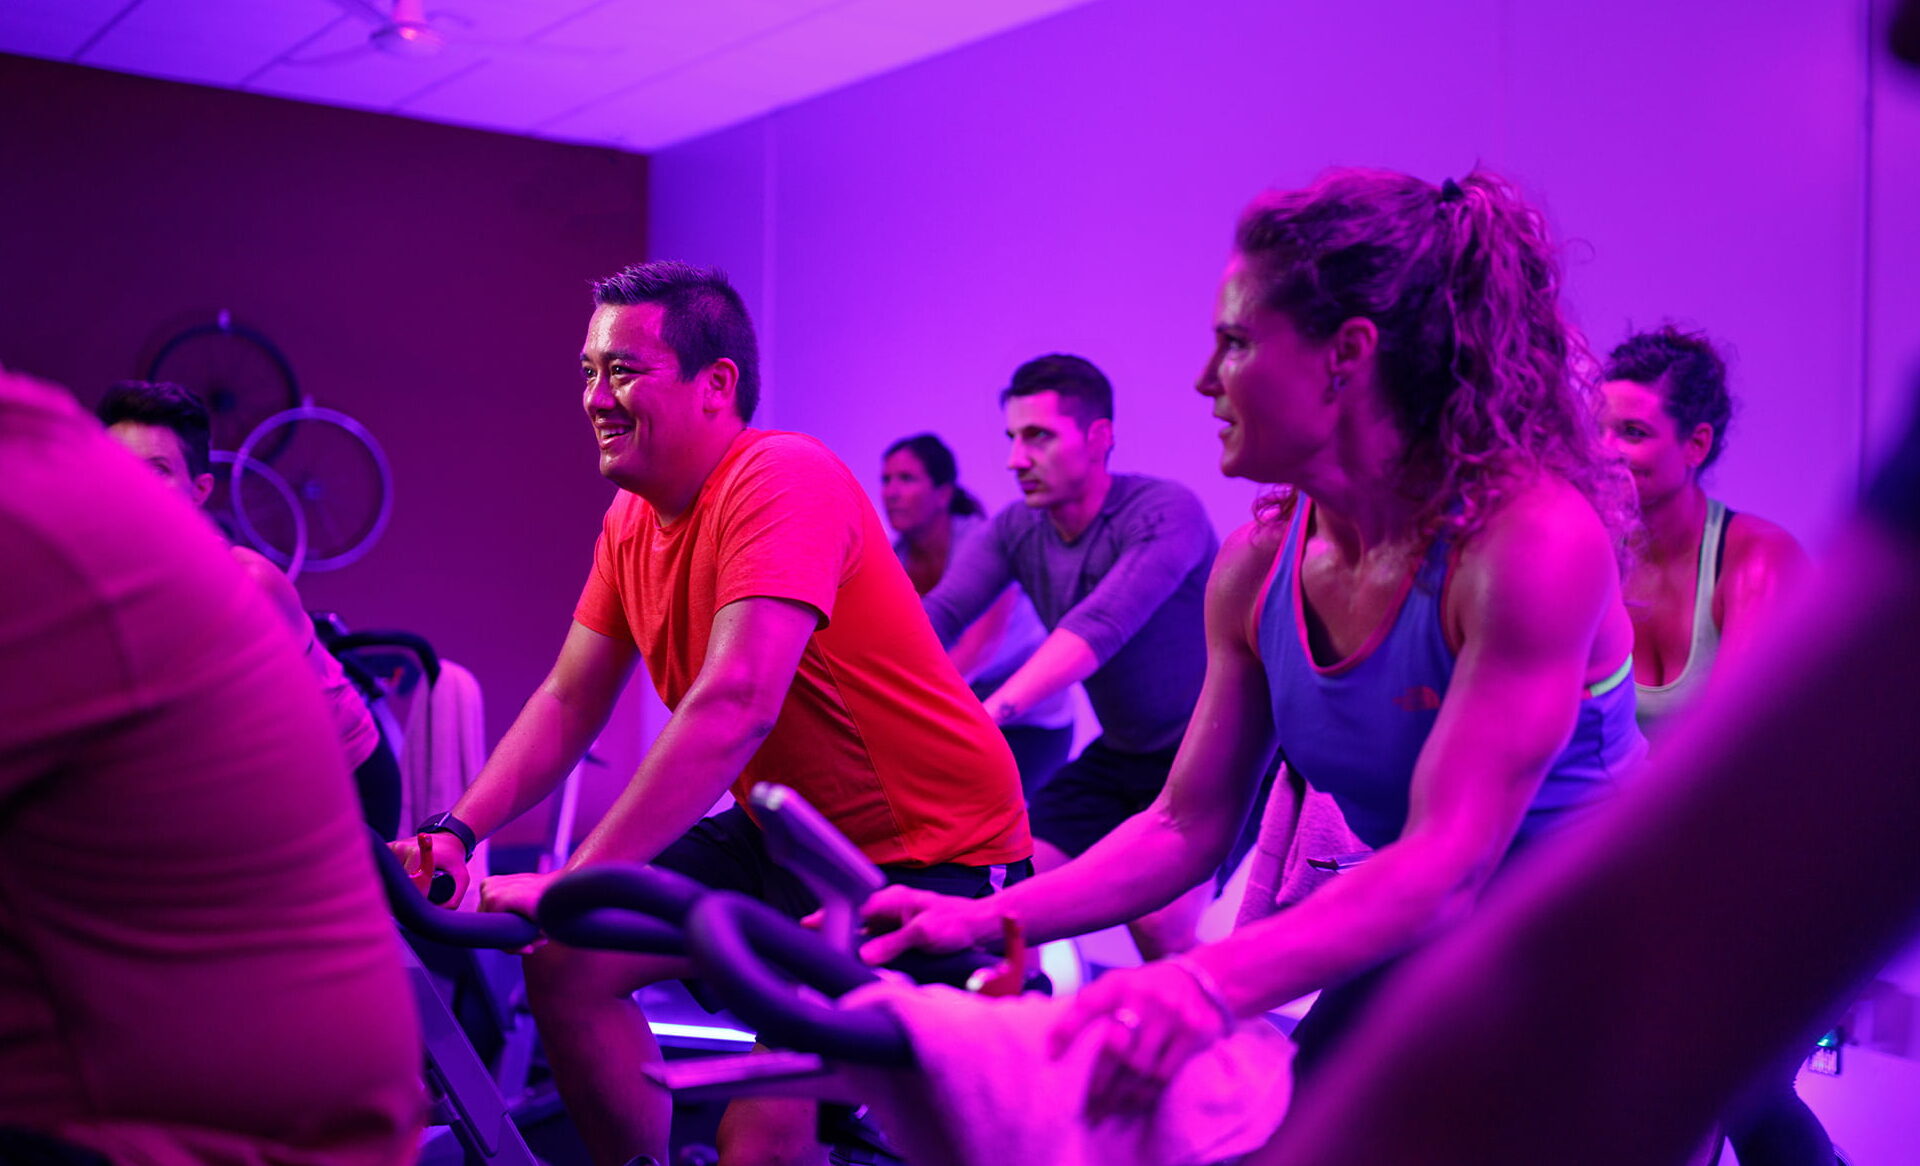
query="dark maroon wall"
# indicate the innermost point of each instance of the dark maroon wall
(428, 280)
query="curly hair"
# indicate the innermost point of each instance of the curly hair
(1478, 364)
(1687, 371)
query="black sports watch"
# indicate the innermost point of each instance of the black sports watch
(446, 823)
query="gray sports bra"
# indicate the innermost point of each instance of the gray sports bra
(1654, 703)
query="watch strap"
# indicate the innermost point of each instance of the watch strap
(446, 823)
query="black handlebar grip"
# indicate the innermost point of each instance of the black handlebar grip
(623, 906)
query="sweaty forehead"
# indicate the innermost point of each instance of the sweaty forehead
(902, 461)
(1633, 399)
(1239, 289)
(633, 328)
(149, 441)
(1044, 410)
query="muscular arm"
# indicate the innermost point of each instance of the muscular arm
(751, 658)
(1532, 592)
(1685, 918)
(1764, 564)
(553, 730)
(1152, 857)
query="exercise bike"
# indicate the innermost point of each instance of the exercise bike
(753, 960)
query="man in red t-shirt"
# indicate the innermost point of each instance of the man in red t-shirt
(749, 573)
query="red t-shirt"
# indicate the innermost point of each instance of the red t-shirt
(878, 731)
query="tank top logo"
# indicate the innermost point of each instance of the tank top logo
(1418, 699)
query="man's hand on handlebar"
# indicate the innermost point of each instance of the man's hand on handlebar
(518, 893)
(912, 919)
(443, 855)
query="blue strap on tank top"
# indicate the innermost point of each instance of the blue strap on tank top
(1355, 728)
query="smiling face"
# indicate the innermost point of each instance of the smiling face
(1053, 459)
(1268, 384)
(1638, 428)
(161, 448)
(646, 420)
(912, 502)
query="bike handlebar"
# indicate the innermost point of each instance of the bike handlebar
(624, 907)
(455, 928)
(753, 956)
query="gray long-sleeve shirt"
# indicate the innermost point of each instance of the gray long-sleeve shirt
(1133, 586)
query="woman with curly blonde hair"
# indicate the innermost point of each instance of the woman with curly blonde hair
(1426, 619)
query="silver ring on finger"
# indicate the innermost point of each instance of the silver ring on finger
(1126, 1018)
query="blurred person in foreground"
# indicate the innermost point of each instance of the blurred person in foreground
(195, 962)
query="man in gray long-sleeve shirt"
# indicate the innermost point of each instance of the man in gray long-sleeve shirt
(1116, 565)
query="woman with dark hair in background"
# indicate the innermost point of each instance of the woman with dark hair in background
(1703, 578)
(1702, 583)
(1427, 617)
(932, 513)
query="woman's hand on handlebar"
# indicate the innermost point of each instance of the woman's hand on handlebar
(916, 920)
(443, 853)
(1151, 1021)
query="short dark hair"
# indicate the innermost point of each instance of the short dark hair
(1687, 371)
(704, 319)
(942, 470)
(168, 406)
(1084, 390)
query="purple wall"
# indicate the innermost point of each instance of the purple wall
(428, 280)
(1071, 186)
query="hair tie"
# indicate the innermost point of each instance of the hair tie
(1450, 191)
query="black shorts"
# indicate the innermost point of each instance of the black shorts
(728, 852)
(1096, 791)
(19, 1147)
(1103, 787)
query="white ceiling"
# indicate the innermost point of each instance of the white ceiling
(634, 74)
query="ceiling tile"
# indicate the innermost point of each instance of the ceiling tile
(520, 92)
(215, 43)
(53, 28)
(812, 57)
(958, 23)
(659, 37)
(345, 67)
(632, 73)
(691, 104)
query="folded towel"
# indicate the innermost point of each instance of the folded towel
(988, 1093)
(1300, 823)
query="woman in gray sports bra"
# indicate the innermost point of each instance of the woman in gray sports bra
(1701, 581)
(1703, 578)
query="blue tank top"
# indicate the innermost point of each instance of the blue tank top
(1354, 729)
